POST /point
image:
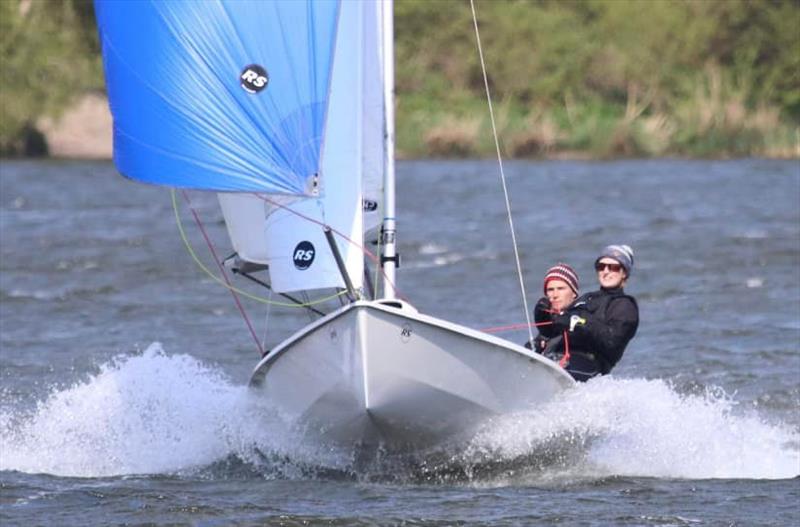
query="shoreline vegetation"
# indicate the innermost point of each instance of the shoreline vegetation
(586, 79)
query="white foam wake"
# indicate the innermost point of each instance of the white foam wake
(156, 413)
(645, 428)
(150, 413)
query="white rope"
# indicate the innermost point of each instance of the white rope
(502, 174)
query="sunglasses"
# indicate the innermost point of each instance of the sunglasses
(613, 267)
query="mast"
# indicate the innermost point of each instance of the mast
(389, 256)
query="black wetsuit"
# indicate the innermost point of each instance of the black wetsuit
(596, 345)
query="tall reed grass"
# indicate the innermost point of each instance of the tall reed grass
(714, 119)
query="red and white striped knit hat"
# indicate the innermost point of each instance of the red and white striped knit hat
(563, 272)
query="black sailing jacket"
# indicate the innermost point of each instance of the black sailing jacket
(612, 318)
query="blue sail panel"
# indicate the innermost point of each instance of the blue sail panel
(225, 96)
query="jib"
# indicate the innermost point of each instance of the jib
(252, 77)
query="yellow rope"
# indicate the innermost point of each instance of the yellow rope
(214, 277)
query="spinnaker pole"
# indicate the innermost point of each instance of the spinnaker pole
(389, 256)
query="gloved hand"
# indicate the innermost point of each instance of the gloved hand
(543, 310)
(561, 322)
(537, 344)
(543, 302)
(568, 321)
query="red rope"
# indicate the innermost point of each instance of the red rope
(565, 359)
(224, 274)
(563, 362)
(523, 325)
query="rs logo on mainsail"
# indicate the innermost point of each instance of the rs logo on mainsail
(254, 78)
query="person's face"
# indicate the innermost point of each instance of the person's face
(610, 273)
(559, 294)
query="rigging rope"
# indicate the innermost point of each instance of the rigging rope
(512, 327)
(502, 173)
(224, 275)
(565, 358)
(266, 321)
(233, 288)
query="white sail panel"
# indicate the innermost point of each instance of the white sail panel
(244, 218)
(295, 249)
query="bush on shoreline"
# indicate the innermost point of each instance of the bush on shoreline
(50, 56)
(594, 78)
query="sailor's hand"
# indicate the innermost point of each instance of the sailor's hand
(543, 310)
(568, 322)
(543, 303)
(561, 322)
(537, 344)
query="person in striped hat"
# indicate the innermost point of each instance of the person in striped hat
(561, 287)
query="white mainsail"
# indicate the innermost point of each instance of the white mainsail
(374, 116)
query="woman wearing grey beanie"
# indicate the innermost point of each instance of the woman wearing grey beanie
(598, 325)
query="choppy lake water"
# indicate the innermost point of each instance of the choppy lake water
(123, 394)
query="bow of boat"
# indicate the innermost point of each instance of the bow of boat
(382, 373)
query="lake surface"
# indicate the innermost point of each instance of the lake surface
(123, 396)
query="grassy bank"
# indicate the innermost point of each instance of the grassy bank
(600, 78)
(714, 122)
(592, 78)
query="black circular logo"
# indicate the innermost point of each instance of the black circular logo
(303, 255)
(254, 78)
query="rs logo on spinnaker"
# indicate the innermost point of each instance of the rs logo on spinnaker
(303, 255)
(254, 78)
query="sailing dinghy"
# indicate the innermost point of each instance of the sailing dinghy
(285, 108)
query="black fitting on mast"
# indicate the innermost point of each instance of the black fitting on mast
(395, 259)
(388, 237)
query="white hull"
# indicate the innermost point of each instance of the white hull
(380, 373)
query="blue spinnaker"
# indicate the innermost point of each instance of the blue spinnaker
(226, 96)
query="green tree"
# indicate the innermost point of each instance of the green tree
(49, 55)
